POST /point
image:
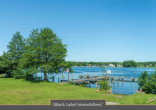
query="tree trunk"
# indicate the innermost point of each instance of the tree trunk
(45, 76)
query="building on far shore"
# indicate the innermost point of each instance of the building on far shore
(90, 65)
(118, 65)
(111, 65)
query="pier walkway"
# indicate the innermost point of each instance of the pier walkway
(84, 78)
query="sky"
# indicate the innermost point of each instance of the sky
(94, 30)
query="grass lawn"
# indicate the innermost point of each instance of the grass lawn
(20, 92)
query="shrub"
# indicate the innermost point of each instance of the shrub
(18, 74)
(70, 83)
(104, 85)
(147, 82)
(142, 79)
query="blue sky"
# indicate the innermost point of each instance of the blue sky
(94, 30)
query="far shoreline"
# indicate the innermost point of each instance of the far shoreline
(114, 67)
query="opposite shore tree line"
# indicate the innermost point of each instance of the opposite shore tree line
(128, 63)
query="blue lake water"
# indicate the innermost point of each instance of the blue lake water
(126, 88)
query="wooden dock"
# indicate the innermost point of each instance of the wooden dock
(84, 78)
(88, 76)
(91, 79)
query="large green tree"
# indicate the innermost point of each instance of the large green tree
(44, 50)
(130, 63)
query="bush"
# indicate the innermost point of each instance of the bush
(142, 79)
(70, 83)
(104, 85)
(147, 82)
(6, 75)
(18, 74)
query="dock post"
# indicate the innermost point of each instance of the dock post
(58, 79)
(87, 73)
(41, 77)
(96, 84)
(89, 84)
(68, 76)
(36, 76)
(114, 83)
(62, 76)
(118, 83)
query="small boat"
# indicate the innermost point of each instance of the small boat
(108, 71)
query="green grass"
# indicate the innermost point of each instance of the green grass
(20, 91)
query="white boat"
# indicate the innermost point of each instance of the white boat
(108, 71)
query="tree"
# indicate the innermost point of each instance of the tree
(145, 64)
(91, 63)
(4, 65)
(7, 63)
(2, 70)
(15, 50)
(44, 50)
(84, 63)
(115, 63)
(130, 63)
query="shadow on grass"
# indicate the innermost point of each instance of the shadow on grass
(5, 77)
(27, 80)
(35, 81)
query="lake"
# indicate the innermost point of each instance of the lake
(127, 88)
